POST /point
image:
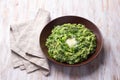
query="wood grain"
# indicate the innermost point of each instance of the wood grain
(104, 13)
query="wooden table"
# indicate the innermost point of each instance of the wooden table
(104, 13)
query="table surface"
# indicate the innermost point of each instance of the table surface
(104, 13)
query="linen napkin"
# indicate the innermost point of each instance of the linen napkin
(24, 40)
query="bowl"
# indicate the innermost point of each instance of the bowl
(70, 19)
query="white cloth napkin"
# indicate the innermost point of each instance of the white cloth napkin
(24, 41)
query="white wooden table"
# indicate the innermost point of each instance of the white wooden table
(104, 13)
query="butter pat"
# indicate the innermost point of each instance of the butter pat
(71, 42)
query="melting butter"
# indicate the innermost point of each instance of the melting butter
(71, 42)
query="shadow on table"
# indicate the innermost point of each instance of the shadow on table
(82, 71)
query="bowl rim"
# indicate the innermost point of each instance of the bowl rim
(90, 59)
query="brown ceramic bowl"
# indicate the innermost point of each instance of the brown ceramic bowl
(70, 19)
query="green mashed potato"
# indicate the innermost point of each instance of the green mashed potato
(71, 43)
